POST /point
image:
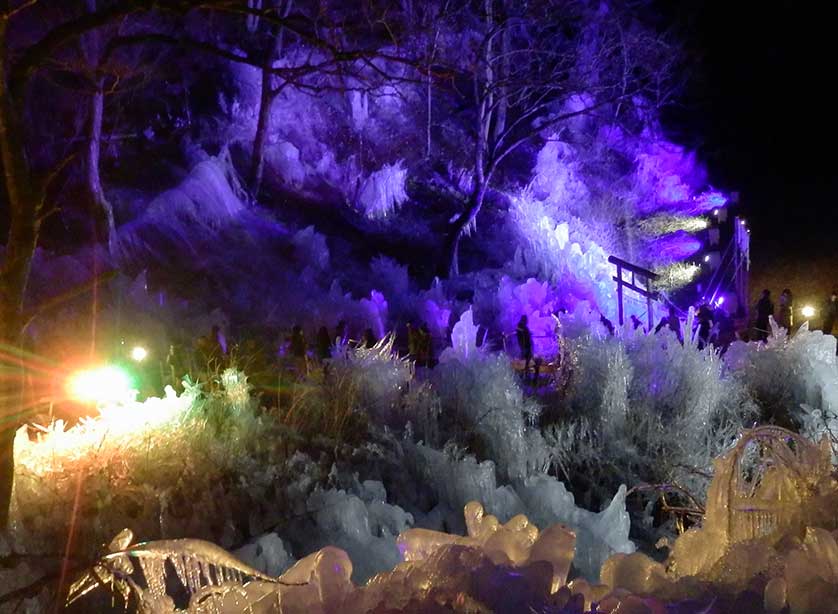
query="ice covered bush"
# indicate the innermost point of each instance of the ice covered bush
(793, 379)
(378, 374)
(267, 553)
(207, 200)
(310, 249)
(630, 394)
(284, 158)
(484, 405)
(539, 496)
(556, 176)
(180, 465)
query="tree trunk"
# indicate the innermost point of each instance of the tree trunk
(93, 155)
(500, 119)
(257, 159)
(14, 273)
(460, 227)
(266, 101)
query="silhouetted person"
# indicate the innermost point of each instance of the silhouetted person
(524, 337)
(423, 346)
(412, 342)
(635, 322)
(323, 344)
(673, 323)
(341, 333)
(608, 324)
(785, 315)
(705, 325)
(830, 312)
(298, 342)
(725, 329)
(298, 348)
(765, 309)
(209, 347)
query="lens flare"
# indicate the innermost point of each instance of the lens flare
(139, 353)
(808, 311)
(101, 385)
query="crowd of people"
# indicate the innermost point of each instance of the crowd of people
(784, 311)
(417, 342)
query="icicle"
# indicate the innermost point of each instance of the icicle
(204, 569)
(180, 563)
(193, 574)
(155, 576)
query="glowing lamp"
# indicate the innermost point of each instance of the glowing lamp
(139, 353)
(707, 258)
(742, 222)
(715, 212)
(808, 311)
(101, 385)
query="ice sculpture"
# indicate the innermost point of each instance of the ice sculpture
(511, 565)
(772, 489)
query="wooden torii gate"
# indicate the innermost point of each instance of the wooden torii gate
(646, 278)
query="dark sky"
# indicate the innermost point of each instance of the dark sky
(761, 105)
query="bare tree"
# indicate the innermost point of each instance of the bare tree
(25, 190)
(537, 65)
(271, 87)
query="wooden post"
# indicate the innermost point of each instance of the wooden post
(620, 294)
(649, 305)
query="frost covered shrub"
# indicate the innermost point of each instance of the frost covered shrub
(310, 249)
(203, 204)
(378, 374)
(556, 174)
(197, 464)
(484, 404)
(359, 521)
(647, 409)
(284, 159)
(790, 377)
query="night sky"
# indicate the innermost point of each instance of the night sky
(761, 110)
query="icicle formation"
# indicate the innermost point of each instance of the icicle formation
(207, 572)
(383, 192)
(769, 527)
